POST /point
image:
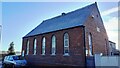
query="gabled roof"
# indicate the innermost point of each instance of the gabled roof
(69, 20)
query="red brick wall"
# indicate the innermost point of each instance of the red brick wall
(100, 45)
(76, 41)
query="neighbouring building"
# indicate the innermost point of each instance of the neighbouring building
(112, 47)
(67, 39)
(2, 54)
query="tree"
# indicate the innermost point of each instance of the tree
(11, 49)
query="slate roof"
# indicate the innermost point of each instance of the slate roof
(68, 20)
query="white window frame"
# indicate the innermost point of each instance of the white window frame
(35, 45)
(28, 44)
(23, 53)
(90, 44)
(53, 50)
(66, 41)
(43, 45)
(86, 52)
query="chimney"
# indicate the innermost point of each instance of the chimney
(63, 13)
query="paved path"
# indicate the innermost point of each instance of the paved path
(0, 64)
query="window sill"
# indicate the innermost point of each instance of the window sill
(66, 55)
(43, 54)
(34, 54)
(53, 54)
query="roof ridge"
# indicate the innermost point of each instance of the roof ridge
(71, 12)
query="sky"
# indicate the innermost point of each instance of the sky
(19, 18)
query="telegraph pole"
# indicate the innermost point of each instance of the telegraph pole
(0, 34)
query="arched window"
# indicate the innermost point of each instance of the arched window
(53, 45)
(43, 46)
(66, 44)
(90, 44)
(35, 43)
(28, 43)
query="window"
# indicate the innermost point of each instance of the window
(23, 53)
(11, 58)
(43, 46)
(66, 44)
(90, 44)
(53, 45)
(86, 51)
(17, 57)
(98, 29)
(28, 43)
(35, 46)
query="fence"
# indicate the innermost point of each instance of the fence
(107, 61)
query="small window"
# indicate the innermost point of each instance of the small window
(92, 16)
(35, 46)
(53, 45)
(28, 43)
(43, 46)
(98, 29)
(66, 44)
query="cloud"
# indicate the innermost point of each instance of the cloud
(112, 10)
(111, 26)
